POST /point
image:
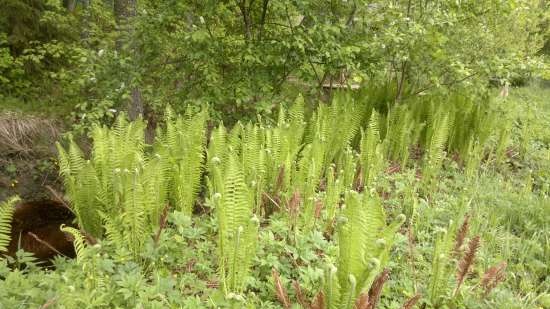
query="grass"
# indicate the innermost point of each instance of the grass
(40, 108)
(18, 134)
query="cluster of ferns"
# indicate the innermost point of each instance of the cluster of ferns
(317, 165)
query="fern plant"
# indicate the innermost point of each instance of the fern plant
(182, 146)
(400, 126)
(439, 280)
(78, 241)
(87, 259)
(306, 180)
(477, 122)
(120, 191)
(269, 155)
(437, 134)
(335, 126)
(130, 228)
(248, 146)
(330, 133)
(283, 144)
(217, 155)
(332, 196)
(348, 164)
(237, 228)
(7, 209)
(340, 177)
(473, 158)
(364, 242)
(503, 139)
(253, 158)
(372, 155)
(83, 188)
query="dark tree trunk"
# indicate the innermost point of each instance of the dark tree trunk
(70, 5)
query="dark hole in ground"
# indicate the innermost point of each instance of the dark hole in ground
(36, 229)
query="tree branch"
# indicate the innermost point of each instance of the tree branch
(265, 7)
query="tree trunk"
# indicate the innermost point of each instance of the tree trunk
(70, 5)
(125, 11)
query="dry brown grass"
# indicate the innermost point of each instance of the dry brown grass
(461, 235)
(466, 263)
(19, 134)
(409, 304)
(280, 290)
(493, 276)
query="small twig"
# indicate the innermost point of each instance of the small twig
(272, 200)
(45, 243)
(57, 196)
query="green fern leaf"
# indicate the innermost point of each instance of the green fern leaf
(7, 209)
(78, 240)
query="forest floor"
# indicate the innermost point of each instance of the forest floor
(508, 206)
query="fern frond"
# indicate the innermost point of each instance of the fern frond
(438, 286)
(155, 180)
(335, 187)
(332, 289)
(113, 230)
(78, 240)
(134, 215)
(84, 200)
(216, 159)
(182, 147)
(7, 209)
(353, 241)
(466, 263)
(237, 227)
(372, 158)
(364, 243)
(438, 134)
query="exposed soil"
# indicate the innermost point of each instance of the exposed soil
(27, 167)
(36, 228)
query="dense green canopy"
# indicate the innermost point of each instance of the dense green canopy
(247, 55)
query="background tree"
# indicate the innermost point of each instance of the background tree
(125, 13)
(244, 57)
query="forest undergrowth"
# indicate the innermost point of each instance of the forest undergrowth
(438, 201)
